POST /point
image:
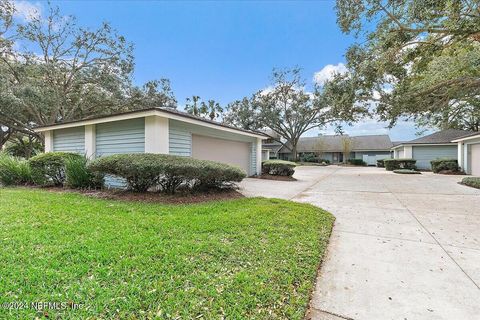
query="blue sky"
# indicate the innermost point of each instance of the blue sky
(226, 50)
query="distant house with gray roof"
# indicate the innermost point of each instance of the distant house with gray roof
(369, 148)
(438, 145)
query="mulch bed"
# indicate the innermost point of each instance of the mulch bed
(278, 178)
(452, 173)
(155, 197)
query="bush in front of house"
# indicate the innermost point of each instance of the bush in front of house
(448, 165)
(308, 157)
(380, 163)
(49, 168)
(143, 171)
(325, 161)
(356, 162)
(406, 171)
(472, 182)
(278, 168)
(79, 176)
(14, 171)
(392, 164)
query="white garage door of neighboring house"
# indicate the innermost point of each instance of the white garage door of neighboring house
(226, 151)
(475, 162)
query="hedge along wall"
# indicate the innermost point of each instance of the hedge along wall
(69, 140)
(119, 137)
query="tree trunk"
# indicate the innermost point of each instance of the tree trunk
(294, 152)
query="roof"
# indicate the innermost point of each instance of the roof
(440, 137)
(274, 146)
(333, 143)
(139, 113)
(472, 135)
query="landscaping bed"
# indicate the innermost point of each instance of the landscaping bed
(473, 182)
(275, 177)
(249, 258)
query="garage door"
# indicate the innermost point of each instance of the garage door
(425, 154)
(225, 151)
(475, 162)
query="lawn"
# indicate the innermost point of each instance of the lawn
(249, 258)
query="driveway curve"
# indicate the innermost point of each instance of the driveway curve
(403, 246)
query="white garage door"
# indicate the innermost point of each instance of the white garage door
(225, 151)
(475, 163)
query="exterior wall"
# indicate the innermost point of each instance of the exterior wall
(127, 136)
(424, 154)
(474, 159)
(253, 159)
(69, 140)
(265, 155)
(470, 157)
(180, 140)
(378, 154)
(156, 135)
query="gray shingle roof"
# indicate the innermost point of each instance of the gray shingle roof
(444, 136)
(330, 143)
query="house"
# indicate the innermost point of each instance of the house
(468, 153)
(434, 146)
(369, 148)
(157, 130)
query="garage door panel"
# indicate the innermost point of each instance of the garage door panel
(226, 151)
(425, 154)
(475, 159)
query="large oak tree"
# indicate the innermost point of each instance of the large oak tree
(416, 59)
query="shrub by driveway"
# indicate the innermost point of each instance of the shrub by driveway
(246, 258)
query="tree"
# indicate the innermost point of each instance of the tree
(210, 110)
(347, 146)
(420, 61)
(287, 109)
(53, 70)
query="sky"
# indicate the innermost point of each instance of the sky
(226, 50)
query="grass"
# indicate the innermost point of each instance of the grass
(472, 182)
(250, 258)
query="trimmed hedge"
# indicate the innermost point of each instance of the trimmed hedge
(380, 163)
(143, 171)
(472, 182)
(14, 171)
(450, 165)
(357, 162)
(406, 171)
(392, 164)
(278, 168)
(49, 168)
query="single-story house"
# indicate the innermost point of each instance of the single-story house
(369, 148)
(468, 150)
(157, 130)
(437, 145)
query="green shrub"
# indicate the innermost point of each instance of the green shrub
(357, 162)
(392, 164)
(49, 168)
(79, 176)
(380, 163)
(146, 170)
(439, 165)
(278, 167)
(406, 171)
(323, 161)
(14, 171)
(308, 157)
(472, 182)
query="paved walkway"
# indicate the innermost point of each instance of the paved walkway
(403, 246)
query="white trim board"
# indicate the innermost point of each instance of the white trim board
(147, 113)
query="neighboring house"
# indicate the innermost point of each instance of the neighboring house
(158, 130)
(468, 150)
(438, 145)
(369, 148)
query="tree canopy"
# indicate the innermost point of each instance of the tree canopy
(416, 59)
(52, 70)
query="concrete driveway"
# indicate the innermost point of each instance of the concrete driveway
(403, 246)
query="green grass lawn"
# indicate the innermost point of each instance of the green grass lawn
(248, 258)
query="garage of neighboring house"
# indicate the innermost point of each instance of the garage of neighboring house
(158, 130)
(468, 148)
(437, 145)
